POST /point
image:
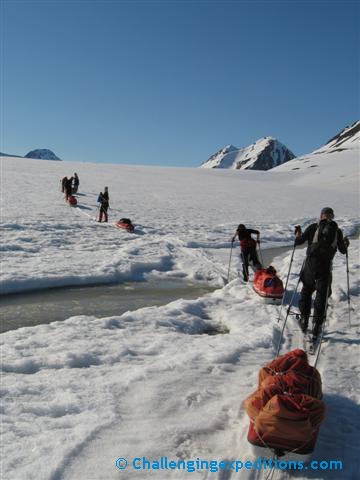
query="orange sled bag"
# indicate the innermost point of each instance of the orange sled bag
(286, 410)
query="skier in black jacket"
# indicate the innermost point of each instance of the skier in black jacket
(68, 188)
(103, 199)
(323, 238)
(76, 183)
(247, 248)
(63, 182)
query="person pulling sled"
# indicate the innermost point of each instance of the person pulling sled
(76, 183)
(103, 199)
(68, 188)
(63, 182)
(324, 239)
(247, 248)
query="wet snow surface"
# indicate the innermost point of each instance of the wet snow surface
(78, 394)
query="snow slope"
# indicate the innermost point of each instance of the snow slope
(264, 154)
(347, 139)
(185, 219)
(336, 165)
(77, 395)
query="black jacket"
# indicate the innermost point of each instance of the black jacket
(320, 253)
(104, 199)
(68, 185)
(245, 233)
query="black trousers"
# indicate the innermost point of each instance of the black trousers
(322, 286)
(103, 212)
(246, 256)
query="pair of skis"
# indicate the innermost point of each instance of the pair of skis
(311, 345)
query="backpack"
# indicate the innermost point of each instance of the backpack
(325, 239)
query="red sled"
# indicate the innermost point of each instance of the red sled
(125, 224)
(267, 284)
(72, 201)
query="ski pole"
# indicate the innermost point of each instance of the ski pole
(261, 257)
(320, 340)
(287, 315)
(286, 283)
(288, 310)
(97, 213)
(232, 243)
(324, 318)
(291, 260)
(348, 284)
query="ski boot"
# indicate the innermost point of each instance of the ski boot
(303, 323)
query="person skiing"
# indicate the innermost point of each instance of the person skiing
(63, 181)
(76, 183)
(324, 238)
(103, 199)
(248, 248)
(68, 188)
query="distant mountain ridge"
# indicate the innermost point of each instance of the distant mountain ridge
(264, 154)
(268, 153)
(10, 155)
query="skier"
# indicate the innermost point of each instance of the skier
(68, 188)
(63, 181)
(248, 248)
(76, 183)
(103, 199)
(324, 238)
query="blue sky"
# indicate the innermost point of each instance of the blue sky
(171, 82)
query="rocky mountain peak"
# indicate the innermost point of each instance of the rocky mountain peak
(42, 154)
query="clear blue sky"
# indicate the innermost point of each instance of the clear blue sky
(170, 82)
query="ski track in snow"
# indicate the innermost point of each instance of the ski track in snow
(78, 394)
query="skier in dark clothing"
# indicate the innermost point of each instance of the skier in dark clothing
(76, 183)
(248, 248)
(323, 238)
(103, 199)
(63, 181)
(68, 188)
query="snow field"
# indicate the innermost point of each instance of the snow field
(77, 395)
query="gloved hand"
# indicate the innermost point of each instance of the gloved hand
(233, 240)
(297, 231)
(346, 242)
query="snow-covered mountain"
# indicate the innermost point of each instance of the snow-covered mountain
(264, 154)
(347, 139)
(321, 165)
(42, 154)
